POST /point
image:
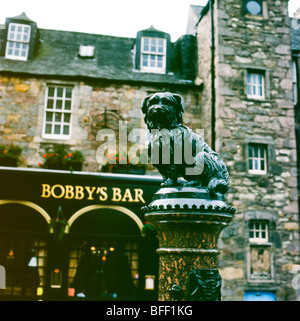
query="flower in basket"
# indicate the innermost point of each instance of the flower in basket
(9, 156)
(61, 158)
(120, 163)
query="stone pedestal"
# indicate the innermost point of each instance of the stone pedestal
(188, 223)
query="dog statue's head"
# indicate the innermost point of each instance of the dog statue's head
(163, 110)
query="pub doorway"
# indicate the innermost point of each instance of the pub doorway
(23, 252)
(105, 253)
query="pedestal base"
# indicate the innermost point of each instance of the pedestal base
(188, 223)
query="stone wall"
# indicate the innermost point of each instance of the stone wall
(22, 103)
(259, 43)
(262, 44)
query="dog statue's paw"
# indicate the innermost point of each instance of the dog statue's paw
(191, 183)
(169, 182)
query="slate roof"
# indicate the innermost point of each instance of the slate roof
(57, 55)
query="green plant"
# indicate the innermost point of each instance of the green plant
(10, 155)
(123, 164)
(60, 158)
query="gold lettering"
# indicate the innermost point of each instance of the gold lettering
(69, 192)
(138, 195)
(46, 191)
(79, 194)
(102, 191)
(127, 194)
(61, 188)
(90, 191)
(116, 194)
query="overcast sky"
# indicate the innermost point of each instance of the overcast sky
(108, 17)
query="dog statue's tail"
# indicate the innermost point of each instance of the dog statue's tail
(218, 173)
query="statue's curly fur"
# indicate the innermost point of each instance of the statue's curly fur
(163, 117)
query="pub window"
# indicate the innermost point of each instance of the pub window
(257, 159)
(258, 231)
(18, 38)
(255, 85)
(294, 80)
(58, 112)
(153, 54)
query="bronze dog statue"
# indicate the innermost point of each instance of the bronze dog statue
(178, 152)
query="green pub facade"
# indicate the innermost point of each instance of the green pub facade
(77, 236)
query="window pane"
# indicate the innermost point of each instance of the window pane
(51, 91)
(57, 129)
(262, 152)
(146, 44)
(67, 118)
(256, 164)
(153, 45)
(68, 92)
(253, 7)
(48, 128)
(50, 103)
(58, 117)
(262, 165)
(66, 130)
(145, 60)
(68, 104)
(255, 151)
(49, 116)
(250, 151)
(250, 164)
(59, 104)
(59, 92)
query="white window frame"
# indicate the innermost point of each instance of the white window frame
(150, 54)
(294, 80)
(259, 230)
(256, 160)
(255, 85)
(17, 45)
(56, 111)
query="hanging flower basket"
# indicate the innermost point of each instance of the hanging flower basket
(61, 159)
(131, 166)
(10, 156)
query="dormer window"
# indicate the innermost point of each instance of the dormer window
(153, 54)
(152, 51)
(18, 38)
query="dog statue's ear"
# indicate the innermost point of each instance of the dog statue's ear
(145, 104)
(180, 103)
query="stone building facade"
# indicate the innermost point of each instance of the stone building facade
(254, 123)
(101, 80)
